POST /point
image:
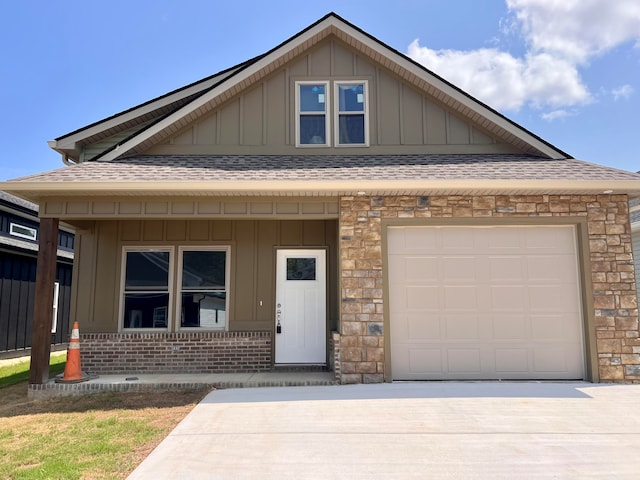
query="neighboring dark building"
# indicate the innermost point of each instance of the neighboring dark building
(18, 257)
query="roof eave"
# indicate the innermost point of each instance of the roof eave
(34, 191)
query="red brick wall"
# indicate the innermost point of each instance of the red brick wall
(192, 352)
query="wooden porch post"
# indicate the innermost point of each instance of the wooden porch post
(43, 305)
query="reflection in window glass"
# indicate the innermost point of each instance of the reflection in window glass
(146, 289)
(351, 98)
(312, 98)
(313, 130)
(351, 126)
(205, 310)
(351, 129)
(204, 290)
(301, 268)
(312, 112)
(203, 269)
(147, 270)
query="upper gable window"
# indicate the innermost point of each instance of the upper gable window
(312, 117)
(351, 113)
(346, 115)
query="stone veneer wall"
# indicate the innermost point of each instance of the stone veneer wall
(188, 352)
(610, 253)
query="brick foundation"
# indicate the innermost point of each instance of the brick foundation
(609, 250)
(192, 352)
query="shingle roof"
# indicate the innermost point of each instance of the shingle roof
(239, 168)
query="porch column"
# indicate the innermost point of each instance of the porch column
(43, 305)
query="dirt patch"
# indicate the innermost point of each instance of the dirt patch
(23, 418)
(13, 401)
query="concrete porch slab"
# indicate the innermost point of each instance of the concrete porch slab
(179, 381)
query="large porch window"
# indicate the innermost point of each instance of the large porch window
(147, 275)
(203, 288)
(201, 276)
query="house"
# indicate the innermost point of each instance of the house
(18, 251)
(333, 204)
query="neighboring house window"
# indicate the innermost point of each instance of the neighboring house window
(203, 287)
(348, 114)
(312, 118)
(351, 123)
(23, 232)
(56, 297)
(147, 274)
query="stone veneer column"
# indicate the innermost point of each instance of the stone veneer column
(609, 250)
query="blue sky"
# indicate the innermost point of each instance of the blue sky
(568, 71)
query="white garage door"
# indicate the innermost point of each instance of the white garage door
(499, 302)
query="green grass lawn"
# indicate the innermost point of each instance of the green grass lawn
(19, 371)
(96, 436)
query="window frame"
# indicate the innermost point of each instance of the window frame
(123, 290)
(337, 113)
(327, 113)
(179, 289)
(33, 232)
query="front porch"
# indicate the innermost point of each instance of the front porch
(179, 381)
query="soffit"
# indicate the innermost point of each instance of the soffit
(265, 175)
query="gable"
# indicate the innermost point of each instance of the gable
(489, 127)
(402, 119)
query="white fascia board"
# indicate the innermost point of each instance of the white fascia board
(347, 187)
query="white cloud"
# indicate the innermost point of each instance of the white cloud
(557, 114)
(561, 36)
(504, 81)
(577, 29)
(622, 92)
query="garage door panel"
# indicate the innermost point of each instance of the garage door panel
(422, 297)
(551, 269)
(551, 240)
(421, 328)
(556, 298)
(509, 327)
(550, 359)
(421, 361)
(485, 303)
(503, 241)
(464, 361)
(421, 269)
(461, 327)
(505, 268)
(458, 269)
(508, 298)
(510, 361)
(459, 298)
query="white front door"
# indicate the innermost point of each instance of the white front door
(301, 325)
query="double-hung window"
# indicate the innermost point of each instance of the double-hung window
(351, 122)
(312, 100)
(203, 287)
(200, 291)
(147, 287)
(347, 116)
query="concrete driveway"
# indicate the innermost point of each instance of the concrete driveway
(462, 430)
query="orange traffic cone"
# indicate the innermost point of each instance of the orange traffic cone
(72, 371)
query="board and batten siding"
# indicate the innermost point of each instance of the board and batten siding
(262, 117)
(252, 281)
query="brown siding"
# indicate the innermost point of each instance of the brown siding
(400, 116)
(252, 282)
